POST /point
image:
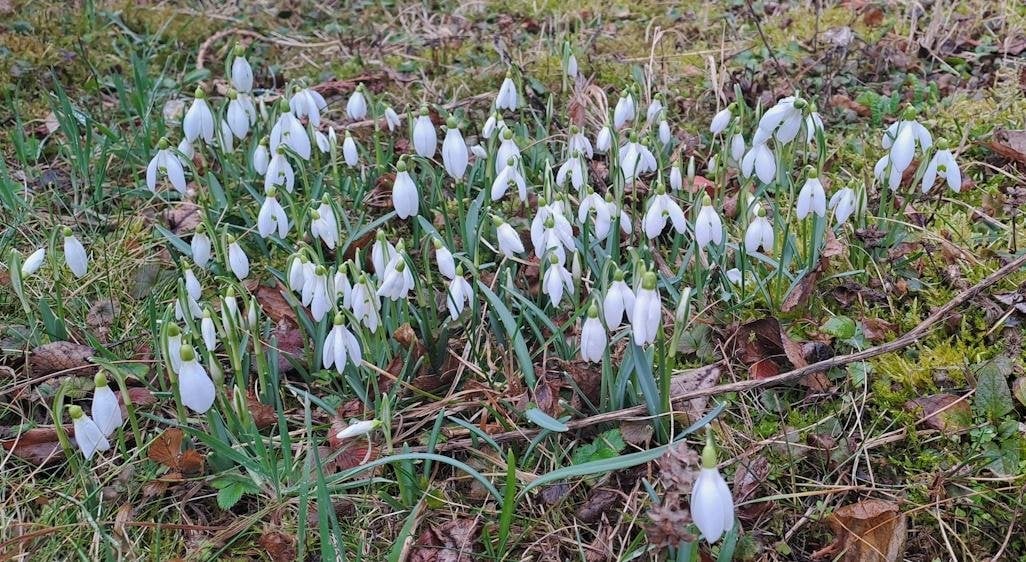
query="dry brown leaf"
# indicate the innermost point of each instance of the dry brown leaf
(1010, 144)
(876, 329)
(62, 356)
(264, 415)
(166, 448)
(279, 546)
(191, 461)
(139, 396)
(38, 446)
(944, 412)
(452, 541)
(690, 381)
(183, 218)
(766, 348)
(869, 531)
(599, 501)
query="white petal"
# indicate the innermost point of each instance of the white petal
(196, 388)
(88, 437)
(106, 412)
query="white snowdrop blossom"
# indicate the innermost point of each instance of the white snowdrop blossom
(579, 142)
(734, 276)
(397, 281)
(308, 103)
(288, 131)
(366, 304)
(509, 176)
(660, 208)
(165, 163)
(811, 198)
(942, 164)
(382, 252)
(358, 429)
(604, 140)
(33, 262)
(199, 120)
(225, 137)
(624, 110)
(425, 139)
(665, 136)
(676, 177)
(208, 331)
(88, 436)
(192, 285)
(618, 301)
(444, 260)
(272, 216)
(737, 149)
(508, 240)
(635, 159)
(349, 151)
(261, 157)
(508, 152)
(573, 169)
(341, 347)
(324, 224)
(492, 124)
(593, 203)
(843, 204)
(297, 272)
(507, 96)
(550, 230)
(655, 108)
(784, 120)
(322, 142)
(238, 261)
(708, 226)
(194, 385)
(455, 156)
(200, 245)
(759, 234)
(105, 411)
(75, 256)
(712, 506)
(721, 120)
(392, 119)
(405, 199)
(237, 117)
(320, 299)
(593, 337)
(356, 107)
(813, 125)
(241, 74)
(648, 311)
(556, 280)
(761, 160)
(458, 294)
(571, 66)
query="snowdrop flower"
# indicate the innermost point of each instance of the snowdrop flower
(676, 177)
(194, 385)
(784, 120)
(324, 224)
(288, 131)
(843, 204)
(478, 151)
(225, 137)
(186, 150)
(192, 285)
(664, 133)
(594, 203)
(551, 231)
(308, 103)
(398, 280)
(74, 253)
(508, 152)
(208, 331)
(382, 252)
(272, 216)
(238, 262)
(455, 156)
(661, 207)
(943, 163)
(405, 199)
(174, 347)
(229, 316)
(320, 301)
(349, 152)
(579, 142)
(624, 110)
(737, 149)
(615, 212)
(604, 140)
(708, 226)
(813, 124)
(200, 245)
(341, 347)
(555, 280)
(340, 286)
(391, 118)
(721, 120)
(366, 304)
(509, 176)
(199, 120)
(811, 198)
(884, 168)
(358, 429)
(712, 506)
(759, 159)
(261, 157)
(236, 116)
(106, 412)
(759, 235)
(508, 239)
(593, 337)
(507, 97)
(648, 310)
(917, 133)
(619, 300)
(166, 163)
(88, 436)
(458, 294)
(297, 271)
(571, 66)
(635, 159)
(654, 109)
(734, 276)
(492, 124)
(241, 73)
(443, 258)
(425, 139)
(33, 262)
(356, 107)
(574, 169)
(322, 141)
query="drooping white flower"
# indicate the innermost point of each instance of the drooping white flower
(507, 96)
(398, 280)
(508, 151)
(241, 74)
(200, 245)
(358, 429)
(382, 252)
(322, 141)
(458, 294)
(492, 124)
(106, 412)
(508, 239)
(88, 436)
(272, 216)
(573, 168)
(341, 347)
(356, 107)
(579, 142)
(885, 170)
(425, 139)
(655, 108)
(811, 198)
(648, 310)
(721, 120)
(943, 163)
(455, 156)
(556, 280)
(784, 120)
(813, 125)
(676, 177)
(551, 231)
(405, 198)
(660, 208)
(165, 163)
(712, 506)
(199, 120)
(261, 157)
(759, 159)
(288, 131)
(75, 256)
(708, 226)
(186, 150)
(593, 337)
(192, 285)
(444, 260)
(759, 235)
(734, 276)
(236, 117)
(174, 347)
(665, 136)
(604, 140)
(571, 66)
(594, 203)
(229, 317)
(843, 203)
(392, 119)
(308, 103)
(320, 301)
(618, 302)
(636, 159)
(208, 331)
(615, 212)
(238, 261)
(478, 151)
(349, 151)
(297, 271)
(737, 149)
(194, 385)
(324, 224)
(33, 262)
(624, 110)
(366, 304)
(509, 176)
(225, 136)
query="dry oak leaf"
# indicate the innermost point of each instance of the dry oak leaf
(62, 356)
(869, 531)
(166, 449)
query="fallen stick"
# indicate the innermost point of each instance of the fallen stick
(904, 341)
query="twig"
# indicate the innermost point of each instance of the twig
(910, 337)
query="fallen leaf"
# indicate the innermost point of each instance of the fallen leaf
(599, 501)
(62, 356)
(546, 394)
(944, 412)
(691, 381)
(452, 541)
(278, 546)
(166, 448)
(767, 350)
(876, 329)
(38, 446)
(183, 218)
(264, 415)
(101, 317)
(873, 17)
(869, 531)
(139, 396)
(1011, 144)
